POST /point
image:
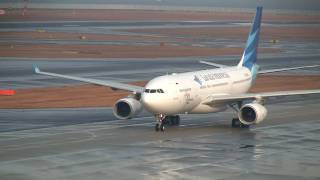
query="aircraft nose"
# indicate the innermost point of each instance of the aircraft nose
(149, 102)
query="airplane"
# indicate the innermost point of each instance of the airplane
(205, 91)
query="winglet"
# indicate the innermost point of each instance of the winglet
(36, 69)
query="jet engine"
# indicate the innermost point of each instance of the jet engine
(252, 113)
(126, 108)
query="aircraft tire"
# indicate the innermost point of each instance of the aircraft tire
(236, 123)
(157, 127)
(177, 120)
(162, 127)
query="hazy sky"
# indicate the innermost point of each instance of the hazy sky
(268, 4)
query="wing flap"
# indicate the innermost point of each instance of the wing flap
(112, 84)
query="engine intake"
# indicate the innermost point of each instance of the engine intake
(126, 108)
(252, 113)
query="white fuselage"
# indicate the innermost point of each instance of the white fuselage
(185, 92)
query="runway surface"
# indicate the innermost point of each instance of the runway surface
(91, 144)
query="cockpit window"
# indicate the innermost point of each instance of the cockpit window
(153, 91)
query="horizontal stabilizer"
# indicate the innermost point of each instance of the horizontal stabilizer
(213, 64)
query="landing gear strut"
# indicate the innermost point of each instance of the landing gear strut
(163, 120)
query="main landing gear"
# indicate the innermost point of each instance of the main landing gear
(163, 120)
(236, 123)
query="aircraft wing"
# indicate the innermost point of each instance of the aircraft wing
(285, 69)
(256, 96)
(112, 84)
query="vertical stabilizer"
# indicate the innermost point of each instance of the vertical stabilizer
(249, 57)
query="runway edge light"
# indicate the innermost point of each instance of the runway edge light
(7, 92)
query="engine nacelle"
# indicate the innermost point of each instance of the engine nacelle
(252, 113)
(126, 108)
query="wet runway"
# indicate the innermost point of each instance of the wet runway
(285, 146)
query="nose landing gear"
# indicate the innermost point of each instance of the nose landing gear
(159, 127)
(160, 122)
(163, 120)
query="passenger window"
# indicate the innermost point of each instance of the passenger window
(161, 91)
(153, 91)
(147, 90)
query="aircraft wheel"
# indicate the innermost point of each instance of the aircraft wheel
(177, 120)
(236, 123)
(162, 127)
(172, 120)
(245, 126)
(157, 127)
